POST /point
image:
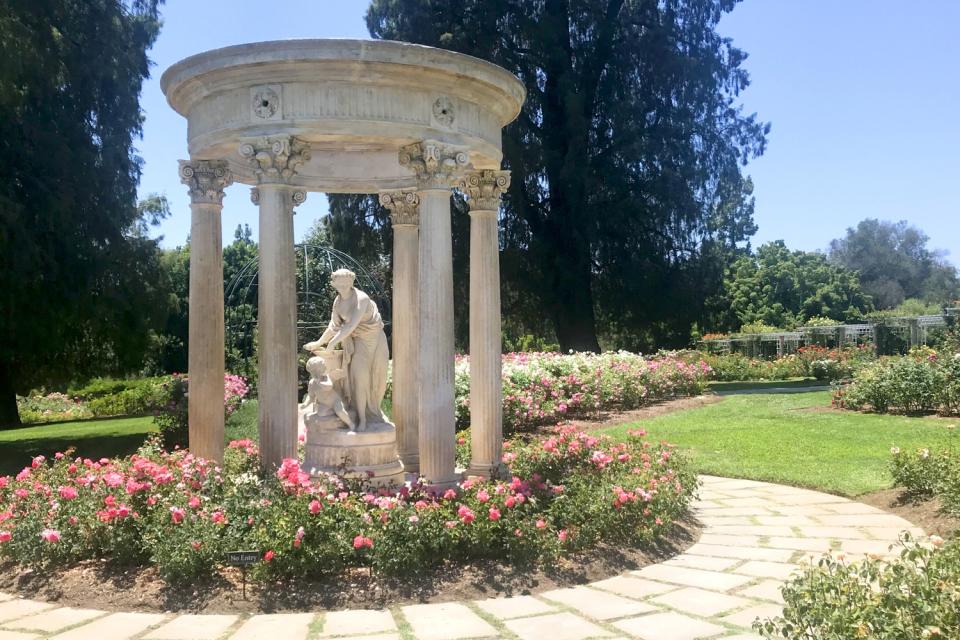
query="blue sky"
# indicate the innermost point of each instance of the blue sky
(862, 96)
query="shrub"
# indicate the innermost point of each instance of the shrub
(544, 388)
(53, 407)
(925, 474)
(914, 596)
(110, 397)
(180, 513)
(922, 382)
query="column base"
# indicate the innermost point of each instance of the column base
(439, 486)
(498, 471)
(411, 462)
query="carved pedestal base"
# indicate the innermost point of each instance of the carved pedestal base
(369, 454)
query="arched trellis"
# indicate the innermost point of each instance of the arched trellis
(315, 298)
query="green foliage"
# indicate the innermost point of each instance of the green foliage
(910, 307)
(915, 596)
(80, 279)
(131, 397)
(173, 421)
(924, 474)
(626, 160)
(54, 407)
(895, 264)
(782, 288)
(813, 361)
(923, 382)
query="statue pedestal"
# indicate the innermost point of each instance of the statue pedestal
(374, 451)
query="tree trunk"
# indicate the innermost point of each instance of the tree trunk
(9, 415)
(572, 296)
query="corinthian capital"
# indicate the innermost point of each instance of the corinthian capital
(205, 179)
(484, 188)
(404, 207)
(275, 158)
(437, 165)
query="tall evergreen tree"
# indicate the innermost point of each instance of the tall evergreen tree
(627, 194)
(78, 275)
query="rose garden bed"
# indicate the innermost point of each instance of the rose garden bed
(168, 520)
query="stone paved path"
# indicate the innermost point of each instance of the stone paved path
(756, 534)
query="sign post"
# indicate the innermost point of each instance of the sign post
(243, 559)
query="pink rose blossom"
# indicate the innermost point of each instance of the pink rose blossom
(50, 535)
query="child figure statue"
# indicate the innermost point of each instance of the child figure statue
(325, 408)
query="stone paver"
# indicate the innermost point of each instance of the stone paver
(13, 609)
(760, 569)
(357, 622)
(193, 627)
(765, 590)
(56, 619)
(708, 563)
(633, 587)
(277, 626)
(755, 535)
(668, 626)
(699, 602)
(559, 626)
(746, 617)
(117, 626)
(17, 635)
(516, 607)
(597, 604)
(446, 621)
(713, 580)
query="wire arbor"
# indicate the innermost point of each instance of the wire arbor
(315, 296)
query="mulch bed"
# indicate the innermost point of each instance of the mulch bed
(98, 585)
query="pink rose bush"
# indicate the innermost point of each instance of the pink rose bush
(545, 388)
(181, 513)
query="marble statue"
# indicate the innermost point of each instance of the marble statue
(324, 406)
(356, 327)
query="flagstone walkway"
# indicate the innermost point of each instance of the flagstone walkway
(755, 535)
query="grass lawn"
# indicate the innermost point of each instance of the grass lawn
(795, 439)
(92, 439)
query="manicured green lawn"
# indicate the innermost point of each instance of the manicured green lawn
(795, 439)
(92, 439)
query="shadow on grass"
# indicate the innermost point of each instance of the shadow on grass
(14, 455)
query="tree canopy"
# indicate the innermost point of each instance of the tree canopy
(78, 275)
(783, 288)
(627, 197)
(895, 263)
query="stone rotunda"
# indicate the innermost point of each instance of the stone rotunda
(405, 121)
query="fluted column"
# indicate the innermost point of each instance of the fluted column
(483, 189)
(404, 218)
(275, 161)
(437, 167)
(206, 180)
